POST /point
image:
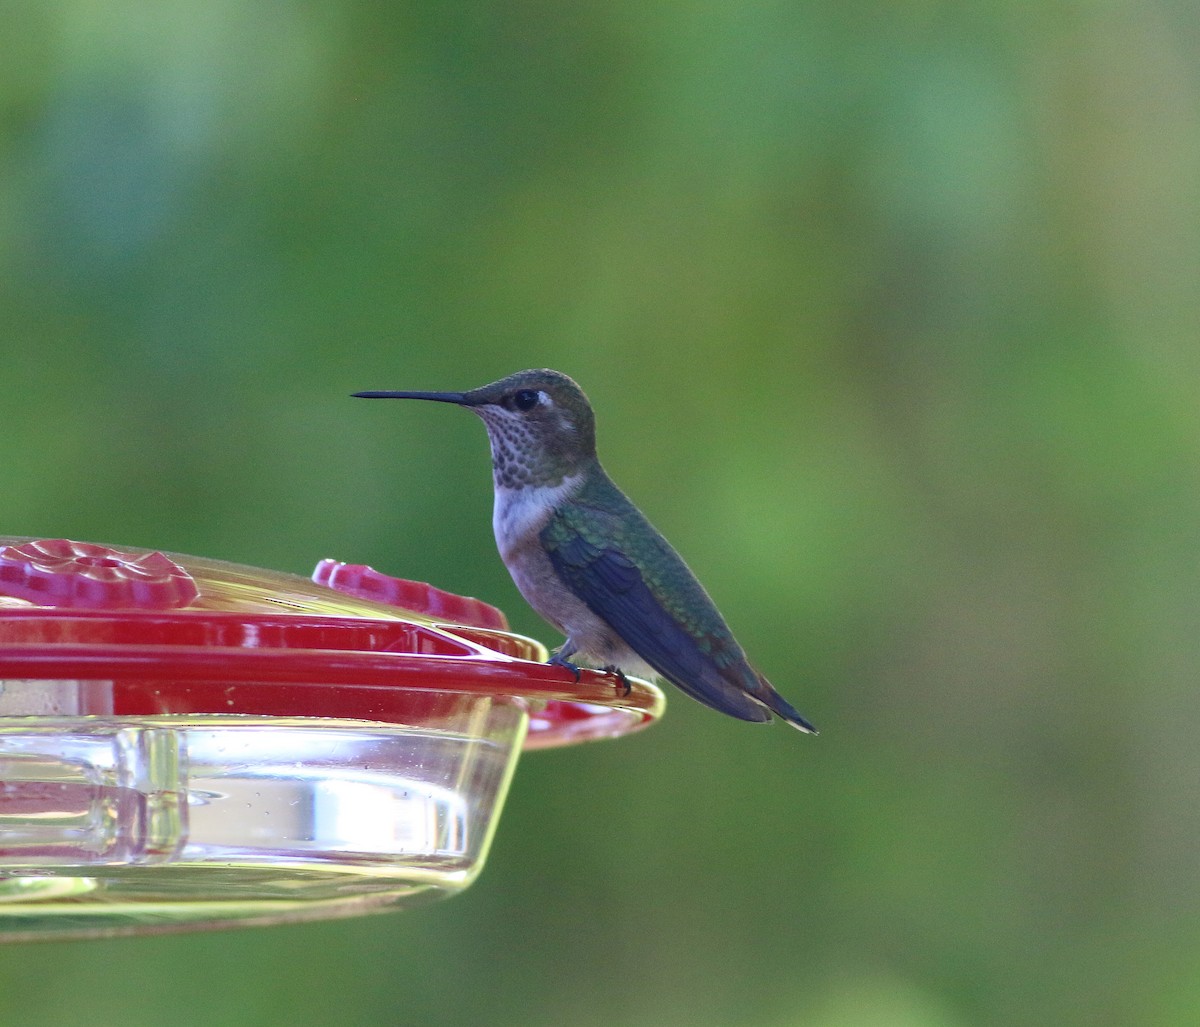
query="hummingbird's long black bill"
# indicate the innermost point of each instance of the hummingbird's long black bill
(440, 397)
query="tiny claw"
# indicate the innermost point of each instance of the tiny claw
(561, 661)
(619, 674)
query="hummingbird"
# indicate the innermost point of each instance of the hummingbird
(588, 561)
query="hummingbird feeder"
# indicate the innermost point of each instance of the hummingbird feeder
(188, 743)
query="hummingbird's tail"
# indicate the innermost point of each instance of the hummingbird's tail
(778, 705)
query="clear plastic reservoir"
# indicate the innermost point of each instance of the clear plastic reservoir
(130, 824)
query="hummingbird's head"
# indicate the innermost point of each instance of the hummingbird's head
(539, 422)
(540, 425)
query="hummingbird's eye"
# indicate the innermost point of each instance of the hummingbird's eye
(525, 399)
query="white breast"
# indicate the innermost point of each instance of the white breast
(519, 514)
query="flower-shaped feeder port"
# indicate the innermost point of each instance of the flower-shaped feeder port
(191, 743)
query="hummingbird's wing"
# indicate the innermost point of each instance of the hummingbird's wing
(630, 577)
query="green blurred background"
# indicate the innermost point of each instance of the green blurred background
(890, 314)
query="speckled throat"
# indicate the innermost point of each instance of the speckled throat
(520, 457)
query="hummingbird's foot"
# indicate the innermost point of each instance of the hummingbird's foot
(619, 674)
(559, 660)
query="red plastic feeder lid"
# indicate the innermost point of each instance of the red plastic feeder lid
(186, 635)
(58, 572)
(358, 579)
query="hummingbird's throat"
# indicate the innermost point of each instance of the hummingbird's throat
(520, 459)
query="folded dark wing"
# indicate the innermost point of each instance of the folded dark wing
(685, 641)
